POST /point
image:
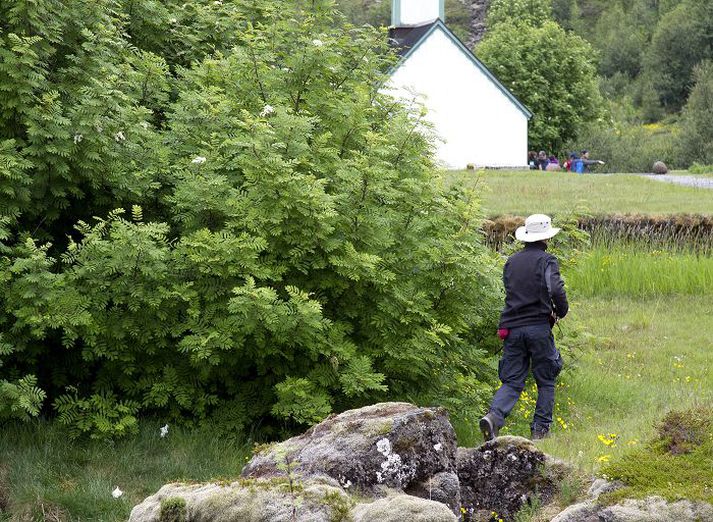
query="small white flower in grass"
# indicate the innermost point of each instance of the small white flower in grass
(198, 160)
(164, 431)
(266, 111)
(173, 21)
(218, 2)
(117, 492)
(119, 136)
(438, 447)
(78, 138)
(317, 42)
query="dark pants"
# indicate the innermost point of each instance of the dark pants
(523, 345)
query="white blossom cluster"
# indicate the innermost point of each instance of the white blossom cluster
(392, 467)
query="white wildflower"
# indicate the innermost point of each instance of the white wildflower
(317, 42)
(145, 125)
(117, 492)
(173, 21)
(119, 136)
(78, 138)
(164, 431)
(267, 110)
(218, 2)
(383, 446)
(438, 447)
(198, 160)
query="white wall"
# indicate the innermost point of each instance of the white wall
(477, 122)
(414, 12)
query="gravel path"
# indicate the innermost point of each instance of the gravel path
(688, 181)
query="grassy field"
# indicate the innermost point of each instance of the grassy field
(527, 192)
(45, 477)
(653, 356)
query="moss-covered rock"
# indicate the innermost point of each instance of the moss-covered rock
(502, 476)
(315, 500)
(401, 508)
(393, 445)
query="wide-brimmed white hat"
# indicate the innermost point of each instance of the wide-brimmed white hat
(537, 228)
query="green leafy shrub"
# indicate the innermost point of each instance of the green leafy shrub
(697, 168)
(630, 147)
(21, 399)
(291, 248)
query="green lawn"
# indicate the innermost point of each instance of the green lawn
(653, 356)
(529, 192)
(45, 476)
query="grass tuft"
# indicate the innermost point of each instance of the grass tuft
(661, 469)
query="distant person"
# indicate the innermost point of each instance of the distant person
(569, 163)
(534, 299)
(583, 163)
(532, 160)
(542, 160)
(554, 164)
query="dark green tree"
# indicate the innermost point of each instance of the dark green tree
(551, 71)
(696, 132)
(683, 38)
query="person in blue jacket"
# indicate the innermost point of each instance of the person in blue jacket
(582, 164)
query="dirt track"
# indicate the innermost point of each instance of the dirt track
(688, 181)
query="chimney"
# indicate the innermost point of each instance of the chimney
(405, 13)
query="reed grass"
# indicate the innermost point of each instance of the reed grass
(626, 270)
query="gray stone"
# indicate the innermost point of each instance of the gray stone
(396, 445)
(601, 486)
(651, 509)
(317, 500)
(503, 475)
(659, 168)
(403, 508)
(442, 487)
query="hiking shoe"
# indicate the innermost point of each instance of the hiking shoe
(488, 428)
(539, 433)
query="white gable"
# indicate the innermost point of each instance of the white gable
(478, 122)
(415, 12)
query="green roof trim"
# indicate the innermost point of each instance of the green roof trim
(438, 24)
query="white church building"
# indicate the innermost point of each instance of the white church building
(478, 120)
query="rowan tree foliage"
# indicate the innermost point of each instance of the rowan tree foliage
(251, 236)
(551, 71)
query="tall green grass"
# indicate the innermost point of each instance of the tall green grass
(628, 270)
(46, 476)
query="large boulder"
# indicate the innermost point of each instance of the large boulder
(659, 168)
(502, 476)
(393, 445)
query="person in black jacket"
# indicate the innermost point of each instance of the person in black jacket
(534, 299)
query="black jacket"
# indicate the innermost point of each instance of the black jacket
(533, 288)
